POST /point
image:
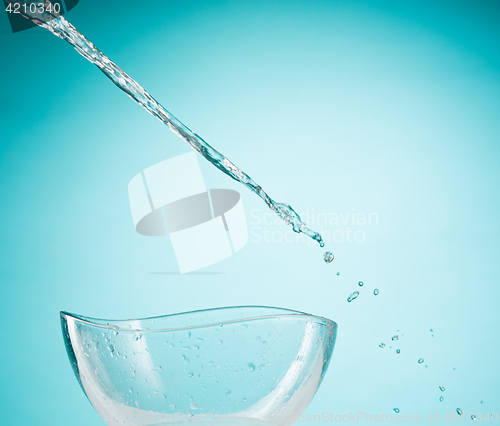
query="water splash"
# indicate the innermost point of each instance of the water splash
(328, 257)
(61, 28)
(353, 296)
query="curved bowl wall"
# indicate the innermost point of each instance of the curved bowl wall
(229, 366)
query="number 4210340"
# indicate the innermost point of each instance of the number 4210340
(33, 8)
(471, 417)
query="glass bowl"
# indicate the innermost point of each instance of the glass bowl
(246, 365)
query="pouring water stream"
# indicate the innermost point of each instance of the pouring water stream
(60, 27)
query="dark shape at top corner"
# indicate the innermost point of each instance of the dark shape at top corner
(70, 4)
(19, 23)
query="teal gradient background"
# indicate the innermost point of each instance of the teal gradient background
(383, 107)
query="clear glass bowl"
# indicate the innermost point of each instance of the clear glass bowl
(230, 366)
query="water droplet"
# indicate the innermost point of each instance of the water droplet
(138, 337)
(195, 407)
(431, 330)
(441, 388)
(421, 360)
(472, 417)
(441, 399)
(396, 410)
(189, 413)
(251, 367)
(361, 283)
(171, 345)
(375, 292)
(338, 273)
(459, 412)
(328, 257)
(229, 393)
(382, 345)
(353, 296)
(264, 343)
(188, 334)
(196, 347)
(482, 402)
(220, 342)
(396, 337)
(398, 351)
(190, 374)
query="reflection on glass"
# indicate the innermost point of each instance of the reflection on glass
(228, 366)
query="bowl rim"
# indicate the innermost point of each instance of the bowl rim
(284, 313)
